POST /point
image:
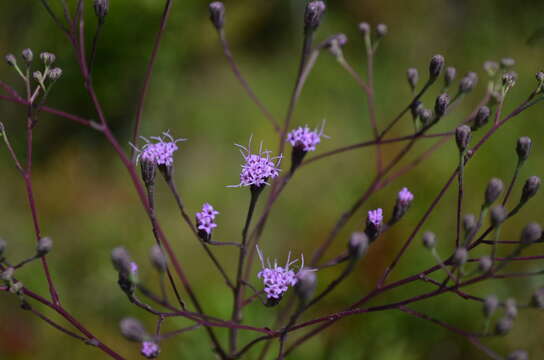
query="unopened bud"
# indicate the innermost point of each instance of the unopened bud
(518, 355)
(312, 15)
(425, 115)
(55, 73)
(158, 259)
(358, 244)
(509, 80)
(381, 30)
(540, 76)
(441, 105)
(491, 303)
(435, 66)
(460, 256)
(449, 76)
(485, 263)
(429, 240)
(507, 63)
(148, 171)
(531, 232)
(537, 299)
(415, 108)
(132, 329)
(38, 75)
(306, 282)
(16, 287)
(27, 55)
(47, 58)
(469, 223)
(413, 77)
(462, 137)
(335, 43)
(364, 28)
(530, 188)
(11, 60)
(498, 215)
(468, 83)
(523, 148)
(217, 14)
(482, 116)
(493, 190)
(121, 260)
(491, 67)
(101, 8)
(504, 326)
(45, 244)
(7, 275)
(511, 308)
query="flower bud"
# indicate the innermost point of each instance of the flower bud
(511, 308)
(485, 263)
(38, 76)
(469, 223)
(507, 63)
(518, 355)
(441, 104)
(460, 256)
(312, 15)
(11, 60)
(449, 76)
(493, 190)
(364, 28)
(425, 115)
(491, 303)
(429, 240)
(530, 188)
(435, 66)
(531, 232)
(132, 329)
(415, 108)
(482, 116)
(306, 282)
(158, 259)
(7, 275)
(523, 147)
(498, 215)
(55, 73)
(16, 287)
(462, 137)
(47, 58)
(540, 76)
(27, 55)
(504, 326)
(413, 77)
(217, 14)
(101, 8)
(468, 82)
(491, 67)
(45, 244)
(381, 30)
(334, 44)
(3, 245)
(537, 299)
(148, 171)
(509, 80)
(357, 244)
(121, 260)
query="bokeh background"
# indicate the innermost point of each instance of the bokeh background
(88, 206)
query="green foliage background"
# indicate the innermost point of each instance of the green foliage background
(87, 204)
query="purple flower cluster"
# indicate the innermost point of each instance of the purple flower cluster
(258, 168)
(160, 152)
(375, 217)
(149, 349)
(305, 138)
(205, 218)
(277, 279)
(405, 197)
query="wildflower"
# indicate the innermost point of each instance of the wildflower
(205, 221)
(258, 168)
(304, 138)
(404, 199)
(133, 267)
(150, 350)
(159, 153)
(374, 224)
(277, 279)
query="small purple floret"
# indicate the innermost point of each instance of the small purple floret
(258, 168)
(133, 267)
(160, 152)
(149, 349)
(405, 196)
(305, 138)
(205, 218)
(277, 279)
(375, 216)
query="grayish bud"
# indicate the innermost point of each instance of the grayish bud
(523, 147)
(45, 244)
(482, 116)
(485, 263)
(413, 77)
(518, 355)
(537, 299)
(531, 232)
(217, 14)
(429, 240)
(158, 259)
(493, 190)
(462, 137)
(381, 30)
(469, 223)
(306, 282)
(47, 58)
(358, 244)
(498, 215)
(55, 73)
(27, 55)
(530, 188)
(312, 15)
(449, 76)
(11, 60)
(504, 326)
(491, 67)
(507, 63)
(435, 66)
(101, 8)
(121, 260)
(132, 329)
(441, 104)
(364, 28)
(511, 308)
(491, 303)
(460, 256)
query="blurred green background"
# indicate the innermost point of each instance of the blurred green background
(87, 205)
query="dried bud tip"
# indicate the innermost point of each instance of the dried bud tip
(158, 259)
(485, 263)
(217, 14)
(101, 8)
(132, 329)
(11, 60)
(449, 76)
(435, 66)
(518, 355)
(460, 256)
(498, 215)
(312, 15)
(45, 244)
(27, 55)
(364, 28)
(531, 233)
(462, 137)
(381, 30)
(413, 77)
(358, 244)
(523, 147)
(429, 240)
(47, 58)
(493, 190)
(491, 303)
(530, 188)
(441, 104)
(306, 282)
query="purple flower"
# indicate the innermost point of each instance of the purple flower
(375, 216)
(160, 152)
(277, 279)
(133, 267)
(149, 349)
(205, 218)
(258, 168)
(405, 197)
(305, 138)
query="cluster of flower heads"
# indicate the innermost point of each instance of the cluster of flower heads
(405, 197)
(149, 349)
(258, 168)
(160, 152)
(205, 218)
(304, 138)
(375, 216)
(277, 279)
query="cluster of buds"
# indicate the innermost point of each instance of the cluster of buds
(205, 221)
(46, 77)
